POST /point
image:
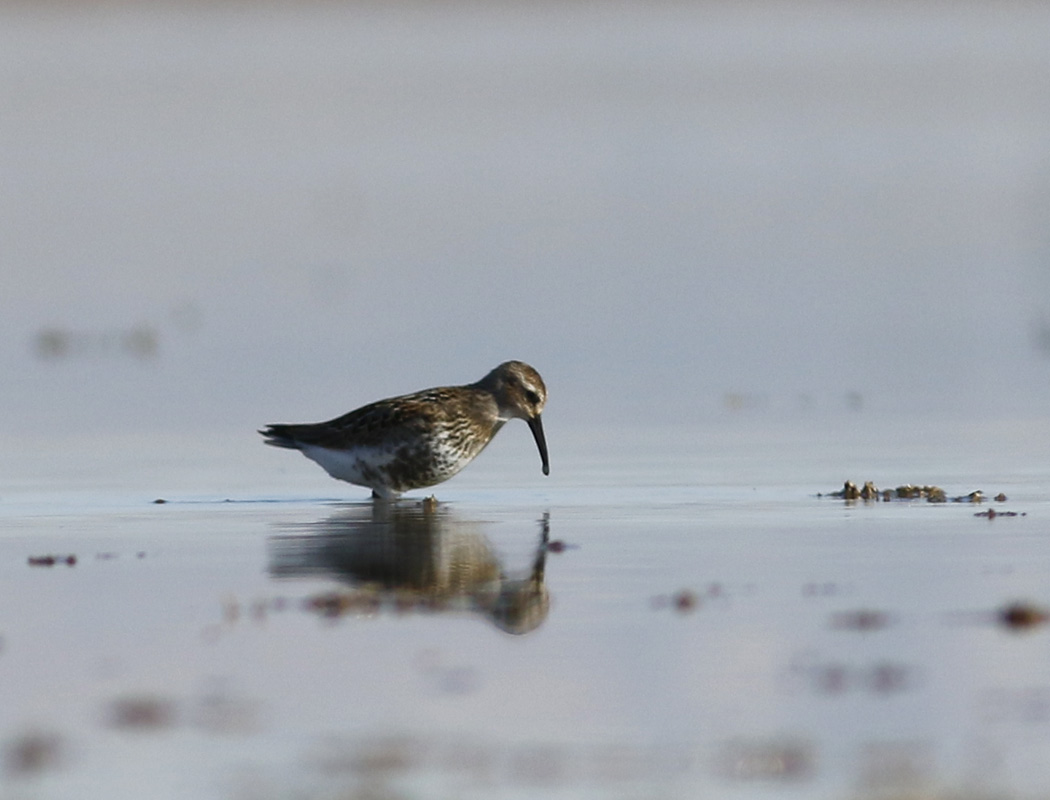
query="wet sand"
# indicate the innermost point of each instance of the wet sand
(645, 622)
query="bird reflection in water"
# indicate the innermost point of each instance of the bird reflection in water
(420, 558)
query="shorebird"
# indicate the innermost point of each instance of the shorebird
(423, 438)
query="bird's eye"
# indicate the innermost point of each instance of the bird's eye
(532, 397)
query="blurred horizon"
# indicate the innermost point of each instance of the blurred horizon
(233, 214)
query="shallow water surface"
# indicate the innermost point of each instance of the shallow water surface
(670, 614)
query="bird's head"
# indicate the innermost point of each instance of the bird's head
(520, 394)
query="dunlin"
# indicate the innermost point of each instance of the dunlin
(420, 439)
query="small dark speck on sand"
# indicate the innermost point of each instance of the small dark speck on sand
(159, 501)
(991, 513)
(1022, 616)
(50, 561)
(682, 601)
(559, 546)
(32, 753)
(860, 620)
(686, 600)
(141, 713)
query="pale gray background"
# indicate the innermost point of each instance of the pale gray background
(673, 210)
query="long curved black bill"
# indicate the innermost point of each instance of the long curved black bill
(537, 433)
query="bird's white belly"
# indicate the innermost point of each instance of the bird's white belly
(383, 469)
(360, 466)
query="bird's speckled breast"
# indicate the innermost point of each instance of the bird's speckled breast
(410, 463)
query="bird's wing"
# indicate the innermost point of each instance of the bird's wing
(381, 422)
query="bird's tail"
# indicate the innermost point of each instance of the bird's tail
(281, 436)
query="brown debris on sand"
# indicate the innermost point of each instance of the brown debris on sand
(908, 491)
(849, 491)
